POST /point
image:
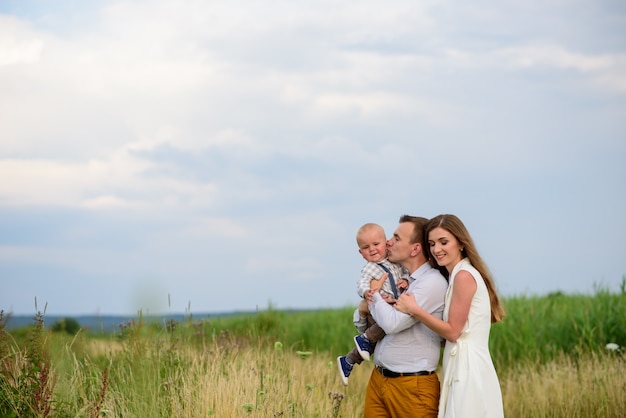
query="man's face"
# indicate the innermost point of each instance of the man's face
(399, 247)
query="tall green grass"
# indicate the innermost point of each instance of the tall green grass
(328, 330)
(541, 328)
(584, 385)
(537, 328)
(549, 352)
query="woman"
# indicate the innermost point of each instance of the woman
(470, 386)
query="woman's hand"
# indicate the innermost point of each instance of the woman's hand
(406, 303)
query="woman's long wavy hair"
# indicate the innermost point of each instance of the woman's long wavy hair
(453, 224)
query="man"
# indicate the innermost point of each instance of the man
(404, 382)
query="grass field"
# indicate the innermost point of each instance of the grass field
(549, 352)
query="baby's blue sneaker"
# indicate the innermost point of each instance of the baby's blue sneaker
(345, 369)
(363, 346)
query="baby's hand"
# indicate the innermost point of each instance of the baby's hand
(403, 284)
(376, 284)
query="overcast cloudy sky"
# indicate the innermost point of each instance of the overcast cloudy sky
(211, 156)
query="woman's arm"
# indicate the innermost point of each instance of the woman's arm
(460, 302)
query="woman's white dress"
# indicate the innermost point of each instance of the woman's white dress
(470, 386)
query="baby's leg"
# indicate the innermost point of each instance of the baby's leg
(374, 333)
(364, 310)
(355, 356)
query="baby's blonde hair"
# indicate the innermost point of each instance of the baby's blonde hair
(368, 227)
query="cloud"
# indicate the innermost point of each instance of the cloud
(607, 71)
(17, 43)
(244, 142)
(58, 183)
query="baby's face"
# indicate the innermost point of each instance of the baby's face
(373, 245)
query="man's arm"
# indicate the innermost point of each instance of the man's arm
(428, 293)
(389, 319)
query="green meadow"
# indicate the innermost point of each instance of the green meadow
(550, 353)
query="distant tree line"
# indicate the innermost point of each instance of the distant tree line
(68, 325)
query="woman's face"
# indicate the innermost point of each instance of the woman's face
(444, 247)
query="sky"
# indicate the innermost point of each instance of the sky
(218, 156)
